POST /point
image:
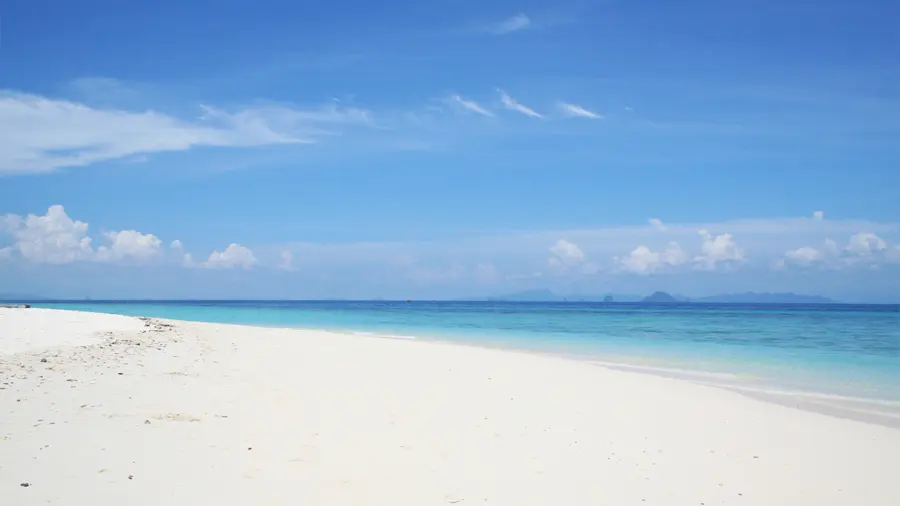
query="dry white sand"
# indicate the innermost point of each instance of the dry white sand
(193, 414)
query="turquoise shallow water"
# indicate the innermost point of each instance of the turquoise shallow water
(825, 350)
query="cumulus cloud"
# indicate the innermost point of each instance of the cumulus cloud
(804, 255)
(511, 104)
(40, 134)
(568, 257)
(184, 258)
(566, 253)
(56, 238)
(53, 238)
(234, 255)
(865, 244)
(642, 260)
(717, 249)
(512, 24)
(470, 105)
(576, 111)
(714, 250)
(863, 248)
(129, 244)
(819, 215)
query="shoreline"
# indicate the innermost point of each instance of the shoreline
(877, 410)
(149, 410)
(822, 401)
(804, 370)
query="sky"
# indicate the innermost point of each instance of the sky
(446, 149)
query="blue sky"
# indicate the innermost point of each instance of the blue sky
(449, 148)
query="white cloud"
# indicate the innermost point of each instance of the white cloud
(184, 258)
(287, 261)
(53, 238)
(512, 24)
(644, 261)
(863, 248)
(865, 244)
(567, 257)
(819, 215)
(6, 252)
(566, 252)
(804, 255)
(658, 224)
(470, 105)
(511, 104)
(576, 111)
(129, 244)
(234, 255)
(41, 134)
(717, 249)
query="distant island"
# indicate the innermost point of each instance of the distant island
(657, 297)
(546, 295)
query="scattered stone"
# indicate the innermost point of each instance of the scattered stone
(120, 374)
(146, 422)
(43, 360)
(249, 448)
(130, 476)
(25, 484)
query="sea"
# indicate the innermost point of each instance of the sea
(840, 358)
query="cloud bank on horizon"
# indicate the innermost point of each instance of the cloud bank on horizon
(580, 257)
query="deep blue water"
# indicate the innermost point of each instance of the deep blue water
(851, 350)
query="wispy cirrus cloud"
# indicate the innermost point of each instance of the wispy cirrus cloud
(576, 111)
(470, 105)
(40, 134)
(513, 105)
(511, 24)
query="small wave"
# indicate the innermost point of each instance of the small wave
(767, 388)
(669, 370)
(816, 396)
(376, 334)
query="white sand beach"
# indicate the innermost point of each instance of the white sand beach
(110, 410)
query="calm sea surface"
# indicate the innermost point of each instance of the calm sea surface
(829, 351)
